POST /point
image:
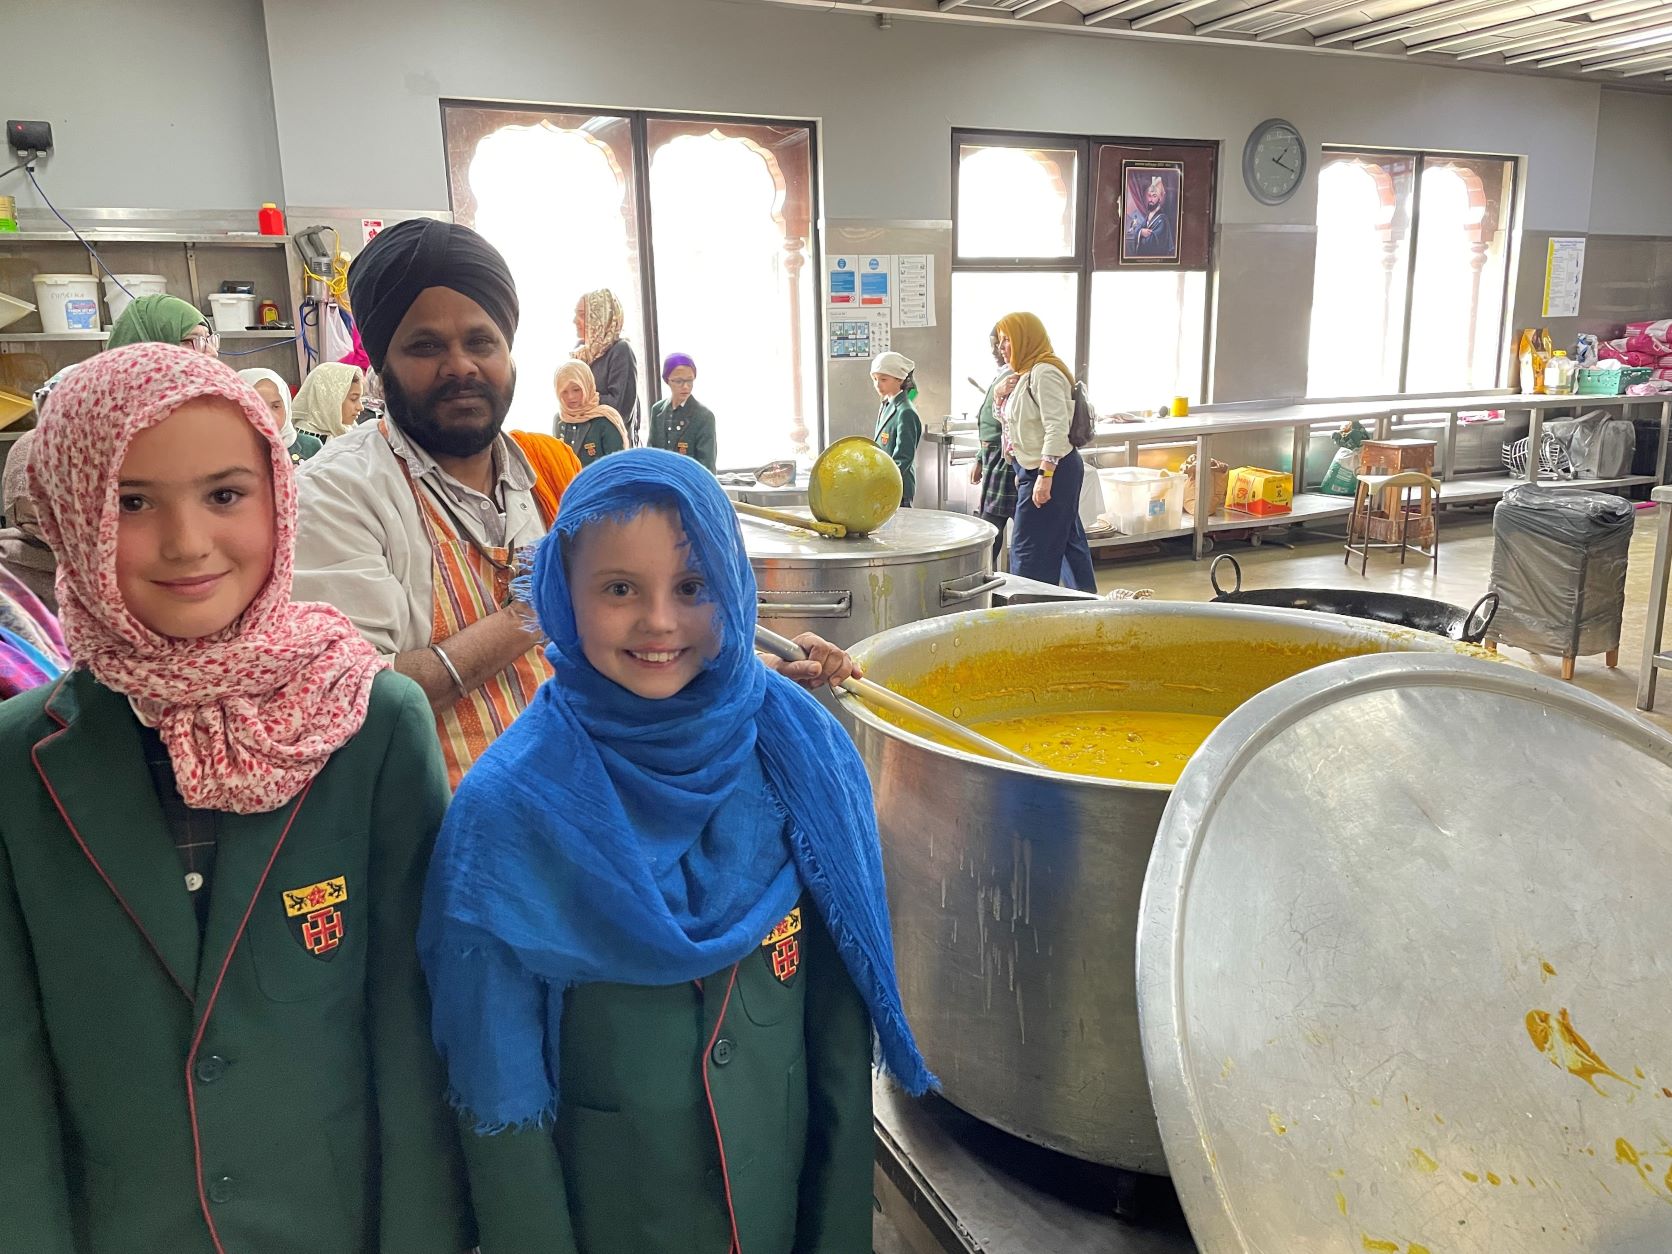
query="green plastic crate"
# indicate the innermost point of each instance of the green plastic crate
(1593, 382)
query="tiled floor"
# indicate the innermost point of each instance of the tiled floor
(1465, 564)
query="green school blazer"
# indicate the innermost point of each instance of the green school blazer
(899, 430)
(688, 430)
(591, 439)
(268, 1089)
(746, 1095)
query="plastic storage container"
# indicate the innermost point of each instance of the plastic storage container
(69, 303)
(1558, 374)
(116, 300)
(1137, 501)
(233, 312)
(1596, 381)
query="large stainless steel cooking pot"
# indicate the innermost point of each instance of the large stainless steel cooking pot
(1014, 891)
(919, 564)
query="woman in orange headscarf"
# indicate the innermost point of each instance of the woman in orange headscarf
(1049, 541)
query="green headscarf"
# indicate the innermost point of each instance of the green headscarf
(156, 319)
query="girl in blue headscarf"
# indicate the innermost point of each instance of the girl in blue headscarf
(656, 929)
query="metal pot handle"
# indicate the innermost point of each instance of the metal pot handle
(1213, 575)
(953, 596)
(785, 605)
(1471, 635)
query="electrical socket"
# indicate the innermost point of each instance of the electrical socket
(34, 137)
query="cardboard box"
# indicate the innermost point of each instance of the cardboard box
(1253, 490)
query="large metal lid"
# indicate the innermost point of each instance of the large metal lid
(1403, 968)
(910, 536)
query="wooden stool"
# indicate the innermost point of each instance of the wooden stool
(1400, 487)
(1392, 457)
(1653, 658)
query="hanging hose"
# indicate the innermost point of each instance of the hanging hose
(336, 282)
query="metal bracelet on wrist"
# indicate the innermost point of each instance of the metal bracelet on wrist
(452, 671)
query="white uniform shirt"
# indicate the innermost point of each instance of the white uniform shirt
(361, 544)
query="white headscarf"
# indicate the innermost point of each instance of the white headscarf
(319, 405)
(287, 433)
(894, 365)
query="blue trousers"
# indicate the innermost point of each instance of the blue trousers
(1043, 543)
(1077, 571)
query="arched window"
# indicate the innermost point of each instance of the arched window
(730, 224)
(1368, 287)
(732, 212)
(1358, 285)
(552, 199)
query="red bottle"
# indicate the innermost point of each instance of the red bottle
(272, 219)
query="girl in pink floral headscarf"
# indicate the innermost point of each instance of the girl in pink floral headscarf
(213, 839)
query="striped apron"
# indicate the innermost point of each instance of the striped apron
(472, 582)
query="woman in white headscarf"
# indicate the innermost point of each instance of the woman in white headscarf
(270, 386)
(329, 402)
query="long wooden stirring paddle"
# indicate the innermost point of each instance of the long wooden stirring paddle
(769, 641)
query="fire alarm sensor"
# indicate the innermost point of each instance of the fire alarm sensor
(29, 136)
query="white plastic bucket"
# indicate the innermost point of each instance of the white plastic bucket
(1139, 501)
(116, 300)
(233, 311)
(68, 302)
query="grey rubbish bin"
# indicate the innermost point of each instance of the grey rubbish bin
(1559, 569)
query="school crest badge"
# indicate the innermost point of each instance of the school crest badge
(782, 947)
(317, 916)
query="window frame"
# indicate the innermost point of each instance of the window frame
(1080, 263)
(1512, 250)
(638, 121)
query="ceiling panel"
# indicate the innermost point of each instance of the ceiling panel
(1626, 41)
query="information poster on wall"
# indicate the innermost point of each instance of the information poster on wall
(858, 334)
(914, 290)
(842, 282)
(1564, 275)
(876, 288)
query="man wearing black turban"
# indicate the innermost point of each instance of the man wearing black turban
(413, 525)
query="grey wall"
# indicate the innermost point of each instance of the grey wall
(197, 131)
(1631, 188)
(888, 98)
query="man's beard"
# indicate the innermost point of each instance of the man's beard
(417, 417)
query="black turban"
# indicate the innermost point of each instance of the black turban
(422, 253)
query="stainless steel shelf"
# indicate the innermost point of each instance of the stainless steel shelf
(37, 337)
(1116, 539)
(1468, 491)
(239, 239)
(94, 337)
(1307, 507)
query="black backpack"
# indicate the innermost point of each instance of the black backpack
(1080, 425)
(1080, 428)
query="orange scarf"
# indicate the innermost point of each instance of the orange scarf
(555, 464)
